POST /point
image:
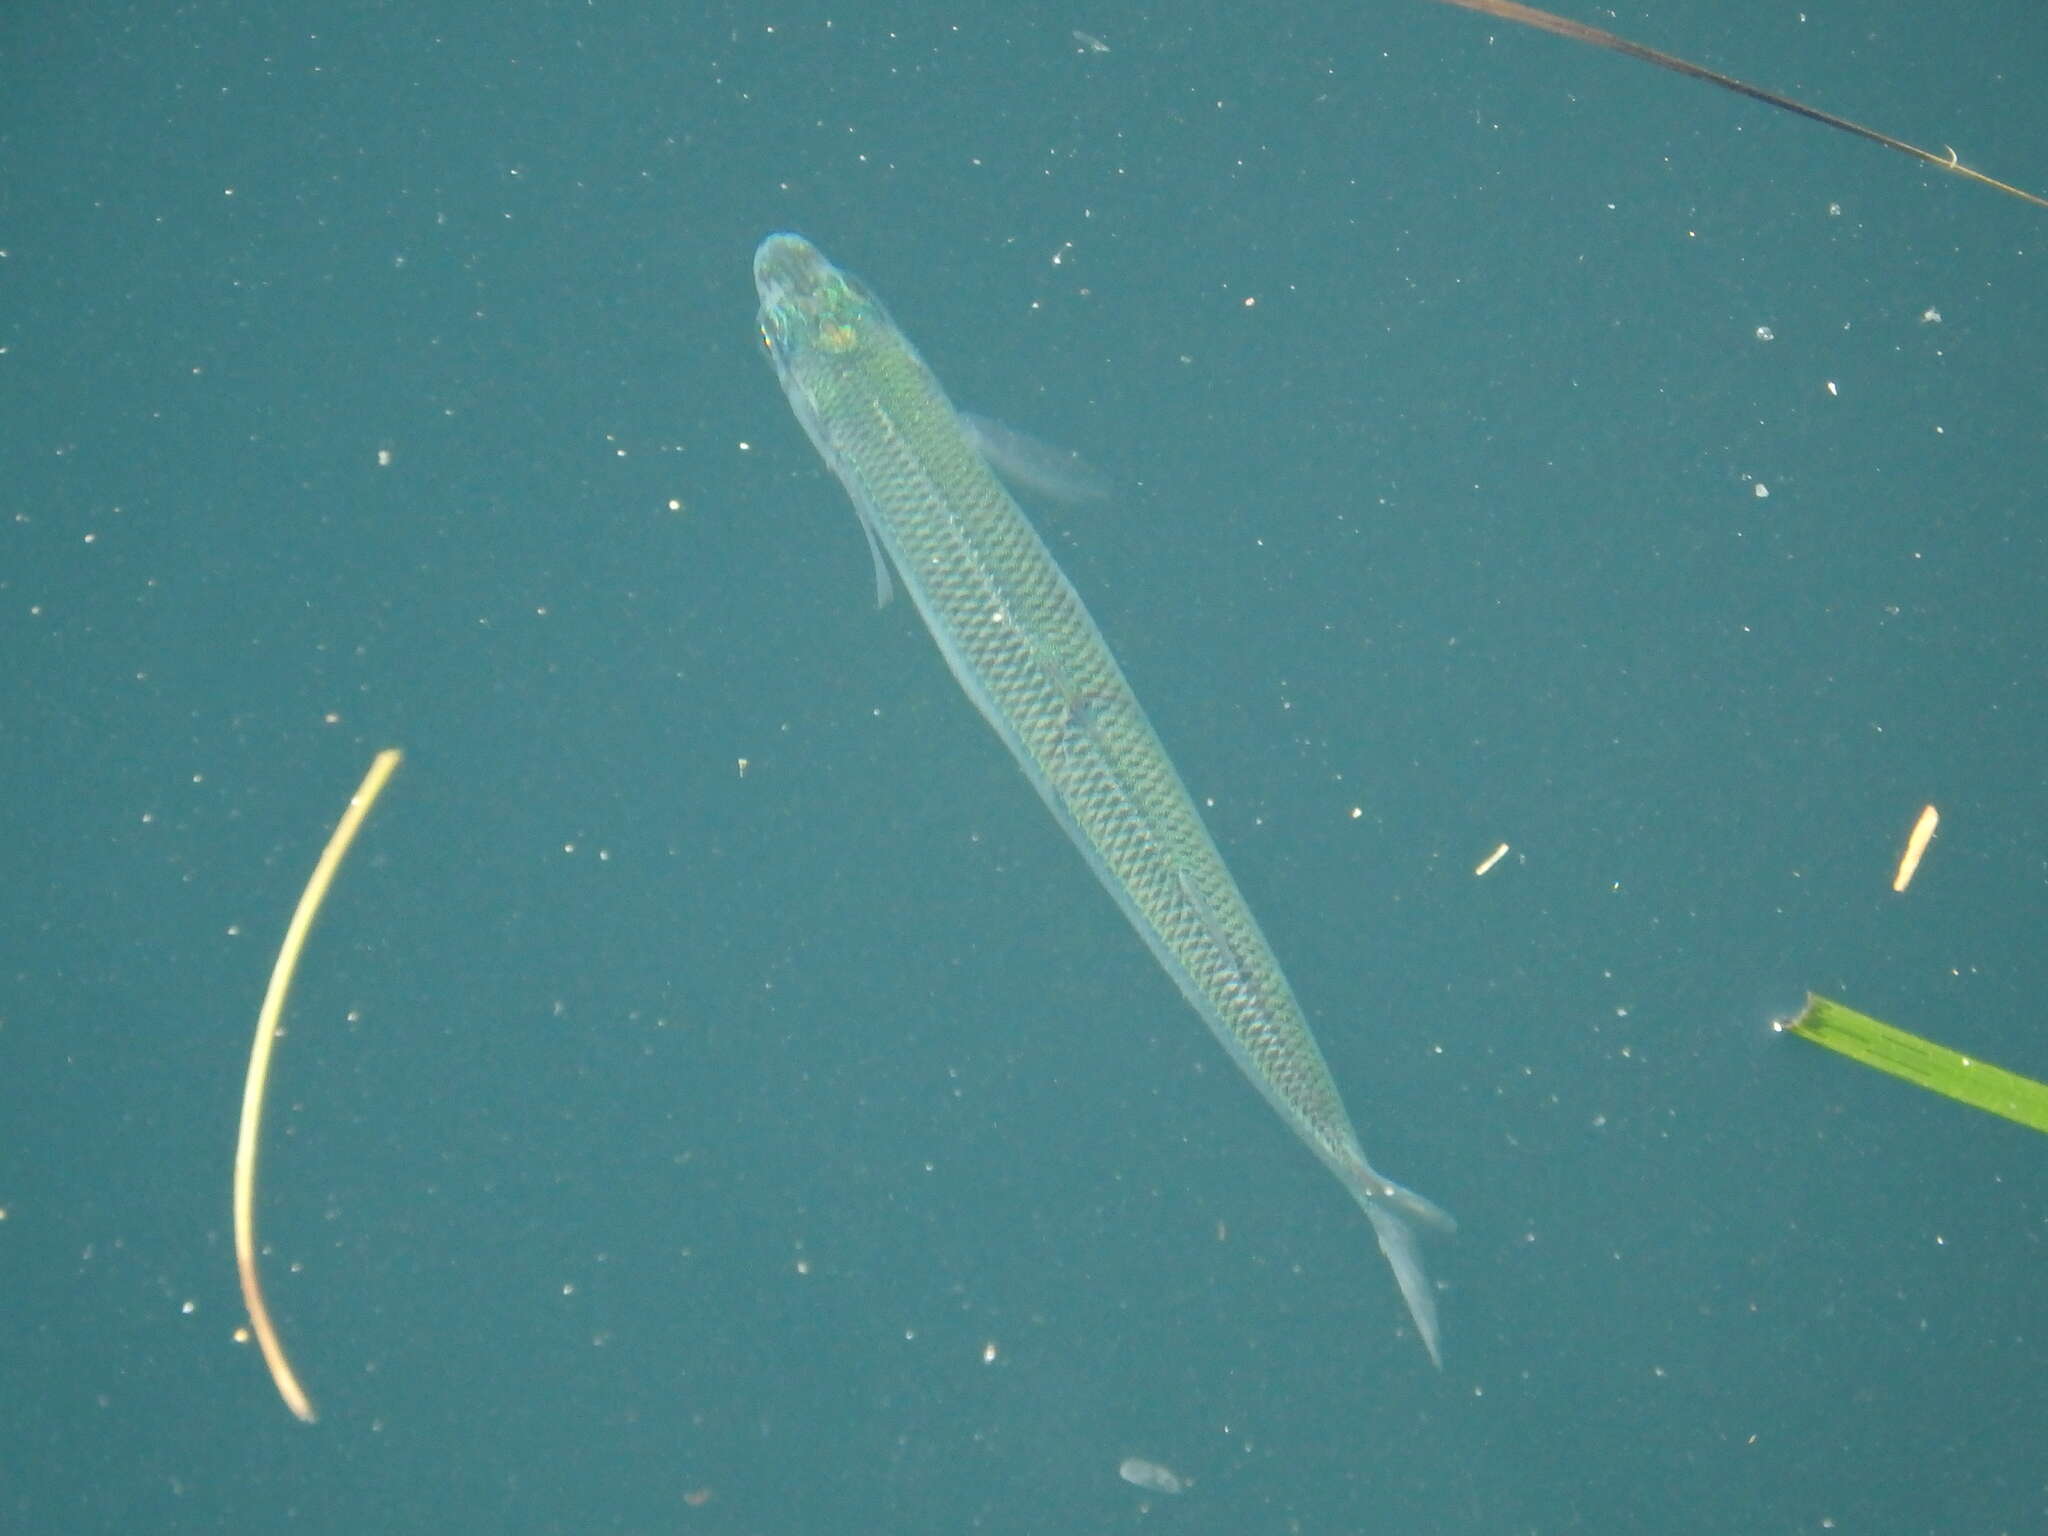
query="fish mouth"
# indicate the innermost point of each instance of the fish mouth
(786, 268)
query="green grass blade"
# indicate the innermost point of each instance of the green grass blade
(1933, 1067)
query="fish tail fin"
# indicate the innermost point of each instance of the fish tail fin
(1421, 1207)
(1391, 1209)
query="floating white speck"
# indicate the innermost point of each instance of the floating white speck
(1760, 491)
(1765, 333)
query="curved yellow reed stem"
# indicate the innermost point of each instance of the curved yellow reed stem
(259, 1071)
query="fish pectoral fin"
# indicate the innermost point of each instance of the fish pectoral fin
(883, 590)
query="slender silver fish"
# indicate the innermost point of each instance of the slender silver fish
(1024, 648)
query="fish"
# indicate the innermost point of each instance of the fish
(1023, 647)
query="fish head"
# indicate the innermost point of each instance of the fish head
(809, 306)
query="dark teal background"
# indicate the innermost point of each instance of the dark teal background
(644, 1128)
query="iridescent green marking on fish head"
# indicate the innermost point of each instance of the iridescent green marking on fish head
(807, 303)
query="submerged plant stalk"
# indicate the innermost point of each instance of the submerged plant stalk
(1933, 1067)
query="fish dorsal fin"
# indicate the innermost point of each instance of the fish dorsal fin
(1030, 464)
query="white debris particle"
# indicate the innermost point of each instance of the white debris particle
(1916, 846)
(1140, 1473)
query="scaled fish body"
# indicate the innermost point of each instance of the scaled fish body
(1025, 650)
